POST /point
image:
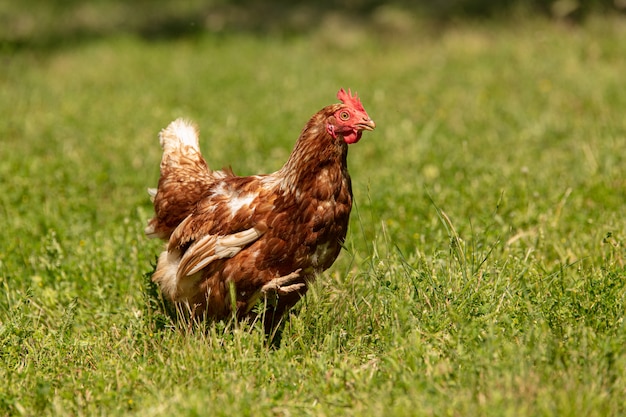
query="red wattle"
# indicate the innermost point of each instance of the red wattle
(352, 137)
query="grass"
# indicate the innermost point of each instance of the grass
(484, 270)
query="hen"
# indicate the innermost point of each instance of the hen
(237, 239)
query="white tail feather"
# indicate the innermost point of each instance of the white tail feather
(179, 133)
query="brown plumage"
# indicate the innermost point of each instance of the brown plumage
(263, 234)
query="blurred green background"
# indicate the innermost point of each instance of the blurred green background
(57, 22)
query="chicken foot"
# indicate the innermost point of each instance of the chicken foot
(283, 293)
(278, 287)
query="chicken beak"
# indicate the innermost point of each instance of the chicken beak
(366, 124)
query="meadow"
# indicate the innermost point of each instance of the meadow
(484, 271)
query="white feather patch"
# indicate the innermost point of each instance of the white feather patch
(150, 232)
(236, 203)
(165, 274)
(322, 252)
(211, 247)
(152, 192)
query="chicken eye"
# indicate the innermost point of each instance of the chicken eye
(344, 115)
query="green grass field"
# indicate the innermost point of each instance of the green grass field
(484, 273)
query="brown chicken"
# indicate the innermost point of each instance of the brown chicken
(232, 238)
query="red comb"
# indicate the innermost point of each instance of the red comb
(349, 99)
